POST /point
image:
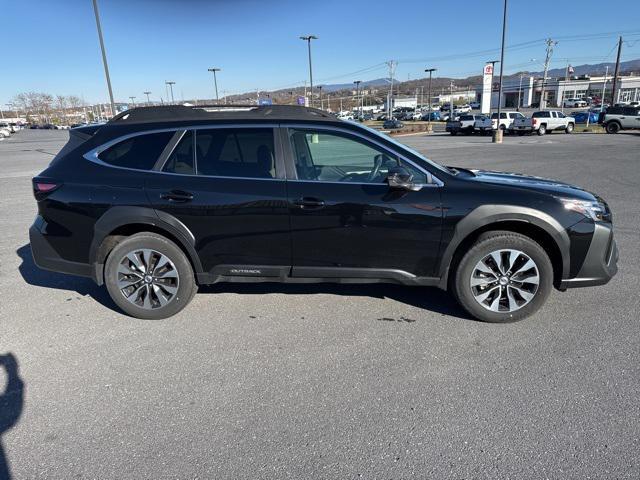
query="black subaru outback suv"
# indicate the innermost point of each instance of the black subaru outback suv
(162, 199)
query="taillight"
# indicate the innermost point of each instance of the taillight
(43, 186)
(534, 121)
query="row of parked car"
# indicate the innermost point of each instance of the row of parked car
(613, 119)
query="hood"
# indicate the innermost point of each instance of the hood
(543, 185)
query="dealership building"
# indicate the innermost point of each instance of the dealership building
(528, 90)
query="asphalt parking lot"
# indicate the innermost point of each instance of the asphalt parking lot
(326, 381)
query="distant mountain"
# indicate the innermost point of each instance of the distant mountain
(334, 87)
(596, 69)
(439, 84)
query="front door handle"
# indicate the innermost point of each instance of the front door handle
(309, 203)
(177, 196)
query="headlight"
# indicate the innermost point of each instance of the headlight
(596, 211)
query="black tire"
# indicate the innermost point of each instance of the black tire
(186, 287)
(612, 127)
(489, 242)
(569, 128)
(542, 129)
(520, 133)
(454, 132)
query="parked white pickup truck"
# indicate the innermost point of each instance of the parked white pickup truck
(464, 124)
(543, 122)
(506, 120)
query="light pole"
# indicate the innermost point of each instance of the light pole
(319, 87)
(104, 57)
(497, 135)
(215, 80)
(357, 83)
(430, 72)
(171, 84)
(133, 101)
(147, 94)
(308, 39)
(520, 91)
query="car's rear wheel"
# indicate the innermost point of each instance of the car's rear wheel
(149, 277)
(569, 128)
(612, 127)
(542, 130)
(503, 277)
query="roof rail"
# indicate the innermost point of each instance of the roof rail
(215, 111)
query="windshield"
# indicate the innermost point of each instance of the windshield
(402, 146)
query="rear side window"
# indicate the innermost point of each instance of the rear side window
(466, 117)
(181, 159)
(229, 152)
(541, 115)
(140, 152)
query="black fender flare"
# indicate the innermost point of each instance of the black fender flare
(120, 216)
(493, 215)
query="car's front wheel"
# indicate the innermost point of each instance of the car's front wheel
(149, 277)
(569, 128)
(503, 277)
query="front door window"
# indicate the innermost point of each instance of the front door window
(335, 157)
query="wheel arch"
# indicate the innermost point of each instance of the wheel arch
(121, 222)
(532, 223)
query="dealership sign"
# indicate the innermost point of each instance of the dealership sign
(487, 80)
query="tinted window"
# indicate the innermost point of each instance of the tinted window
(337, 157)
(560, 115)
(466, 117)
(181, 159)
(630, 111)
(541, 115)
(140, 152)
(229, 152)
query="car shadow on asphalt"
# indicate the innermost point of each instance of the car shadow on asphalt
(427, 298)
(34, 275)
(11, 404)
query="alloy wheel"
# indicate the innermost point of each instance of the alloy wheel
(147, 278)
(505, 280)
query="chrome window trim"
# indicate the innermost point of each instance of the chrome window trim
(435, 181)
(93, 154)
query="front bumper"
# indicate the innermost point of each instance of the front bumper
(45, 256)
(601, 261)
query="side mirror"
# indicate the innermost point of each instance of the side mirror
(400, 177)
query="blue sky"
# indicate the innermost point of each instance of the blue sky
(52, 46)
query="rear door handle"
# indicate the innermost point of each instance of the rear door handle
(309, 203)
(177, 196)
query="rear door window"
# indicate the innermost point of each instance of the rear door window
(235, 152)
(181, 160)
(140, 152)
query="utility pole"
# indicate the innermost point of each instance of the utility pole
(604, 87)
(550, 44)
(104, 57)
(171, 84)
(497, 135)
(320, 95)
(147, 94)
(215, 81)
(308, 39)
(357, 82)
(430, 71)
(392, 64)
(614, 85)
(133, 101)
